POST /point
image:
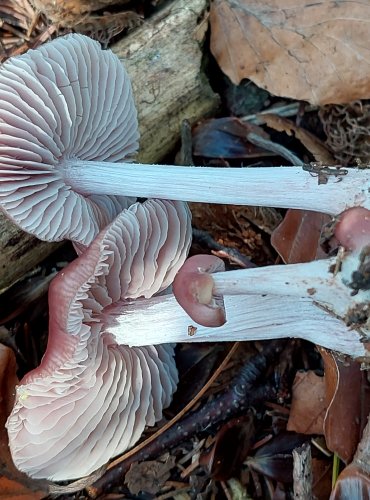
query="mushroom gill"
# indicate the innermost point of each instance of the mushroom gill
(66, 99)
(91, 398)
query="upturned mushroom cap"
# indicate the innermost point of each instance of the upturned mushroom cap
(353, 228)
(90, 399)
(193, 288)
(66, 99)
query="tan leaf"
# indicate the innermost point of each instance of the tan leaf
(317, 148)
(69, 12)
(308, 404)
(312, 51)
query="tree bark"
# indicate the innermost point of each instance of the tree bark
(163, 58)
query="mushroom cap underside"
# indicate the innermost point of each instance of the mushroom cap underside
(68, 99)
(90, 399)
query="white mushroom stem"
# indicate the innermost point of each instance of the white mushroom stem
(161, 320)
(315, 280)
(286, 187)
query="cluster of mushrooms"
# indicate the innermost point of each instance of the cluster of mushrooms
(68, 131)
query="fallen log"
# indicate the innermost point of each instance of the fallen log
(163, 58)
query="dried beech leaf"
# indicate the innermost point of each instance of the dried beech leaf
(312, 51)
(297, 238)
(348, 404)
(308, 407)
(317, 148)
(13, 484)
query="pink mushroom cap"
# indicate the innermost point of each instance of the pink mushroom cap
(91, 398)
(67, 99)
(193, 288)
(353, 228)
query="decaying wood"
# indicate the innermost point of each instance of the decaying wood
(302, 473)
(163, 58)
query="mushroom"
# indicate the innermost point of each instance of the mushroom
(69, 118)
(91, 397)
(341, 284)
(325, 301)
(66, 99)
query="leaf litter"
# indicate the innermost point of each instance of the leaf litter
(304, 52)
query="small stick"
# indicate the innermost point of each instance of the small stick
(302, 472)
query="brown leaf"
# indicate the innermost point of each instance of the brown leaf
(232, 443)
(317, 148)
(348, 399)
(322, 476)
(13, 484)
(297, 238)
(312, 51)
(308, 407)
(64, 11)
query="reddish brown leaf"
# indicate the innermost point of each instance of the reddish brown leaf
(297, 238)
(231, 446)
(304, 50)
(13, 484)
(308, 407)
(322, 476)
(348, 399)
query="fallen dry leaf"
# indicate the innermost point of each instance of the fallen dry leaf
(297, 238)
(321, 472)
(13, 484)
(312, 51)
(348, 399)
(61, 11)
(232, 443)
(308, 407)
(317, 148)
